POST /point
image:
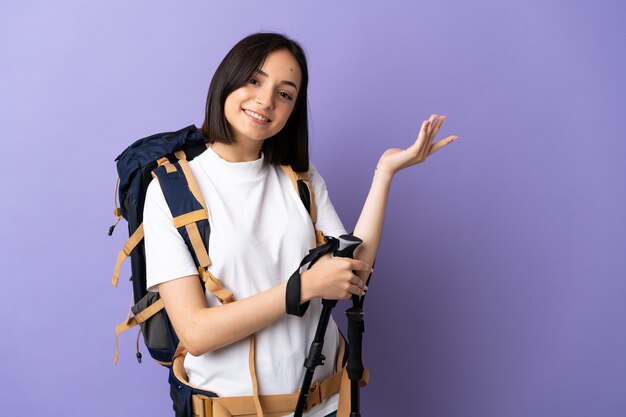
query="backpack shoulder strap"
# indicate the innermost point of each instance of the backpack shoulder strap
(191, 217)
(302, 186)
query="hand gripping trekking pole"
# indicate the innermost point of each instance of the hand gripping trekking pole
(345, 249)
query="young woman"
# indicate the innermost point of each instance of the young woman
(256, 120)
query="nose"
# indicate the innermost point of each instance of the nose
(265, 98)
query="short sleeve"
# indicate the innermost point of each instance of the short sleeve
(167, 256)
(327, 219)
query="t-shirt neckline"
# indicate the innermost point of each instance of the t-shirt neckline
(243, 169)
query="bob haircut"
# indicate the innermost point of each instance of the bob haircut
(290, 146)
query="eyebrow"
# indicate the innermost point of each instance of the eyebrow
(291, 83)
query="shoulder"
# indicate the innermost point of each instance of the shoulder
(154, 191)
(155, 194)
(312, 176)
(315, 178)
(155, 206)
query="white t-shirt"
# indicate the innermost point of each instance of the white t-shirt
(260, 231)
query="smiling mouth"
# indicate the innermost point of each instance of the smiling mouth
(257, 116)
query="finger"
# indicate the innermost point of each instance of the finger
(441, 143)
(415, 148)
(359, 265)
(423, 132)
(356, 290)
(356, 280)
(432, 119)
(424, 146)
(436, 125)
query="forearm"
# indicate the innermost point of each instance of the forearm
(203, 329)
(369, 227)
(231, 322)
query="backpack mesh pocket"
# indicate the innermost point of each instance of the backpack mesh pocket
(156, 330)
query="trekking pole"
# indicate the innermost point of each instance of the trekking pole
(347, 245)
(356, 328)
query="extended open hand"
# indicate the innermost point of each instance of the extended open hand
(395, 159)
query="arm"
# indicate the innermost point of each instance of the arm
(369, 227)
(171, 271)
(202, 329)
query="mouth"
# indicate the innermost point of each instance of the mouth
(256, 116)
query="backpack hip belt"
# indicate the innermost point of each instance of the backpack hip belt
(207, 404)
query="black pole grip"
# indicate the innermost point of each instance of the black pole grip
(347, 246)
(356, 327)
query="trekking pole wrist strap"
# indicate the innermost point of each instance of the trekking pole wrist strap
(293, 292)
(292, 296)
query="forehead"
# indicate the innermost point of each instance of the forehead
(282, 65)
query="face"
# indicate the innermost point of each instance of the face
(260, 108)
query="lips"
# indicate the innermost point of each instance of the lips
(258, 117)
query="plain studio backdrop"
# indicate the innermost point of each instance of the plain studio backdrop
(499, 288)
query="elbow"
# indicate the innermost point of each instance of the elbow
(193, 351)
(196, 345)
(191, 347)
(192, 344)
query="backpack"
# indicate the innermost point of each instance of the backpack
(165, 156)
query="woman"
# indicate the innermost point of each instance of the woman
(256, 120)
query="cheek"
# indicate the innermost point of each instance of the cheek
(283, 121)
(235, 98)
(231, 107)
(287, 111)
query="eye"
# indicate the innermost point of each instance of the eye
(285, 95)
(253, 81)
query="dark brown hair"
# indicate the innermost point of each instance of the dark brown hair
(291, 144)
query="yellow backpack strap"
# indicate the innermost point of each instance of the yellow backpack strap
(137, 236)
(188, 221)
(255, 383)
(133, 321)
(131, 243)
(191, 180)
(214, 286)
(304, 177)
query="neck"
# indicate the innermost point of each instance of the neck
(238, 151)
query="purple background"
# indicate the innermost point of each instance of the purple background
(500, 285)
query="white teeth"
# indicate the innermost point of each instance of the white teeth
(257, 116)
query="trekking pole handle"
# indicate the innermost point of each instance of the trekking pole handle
(347, 246)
